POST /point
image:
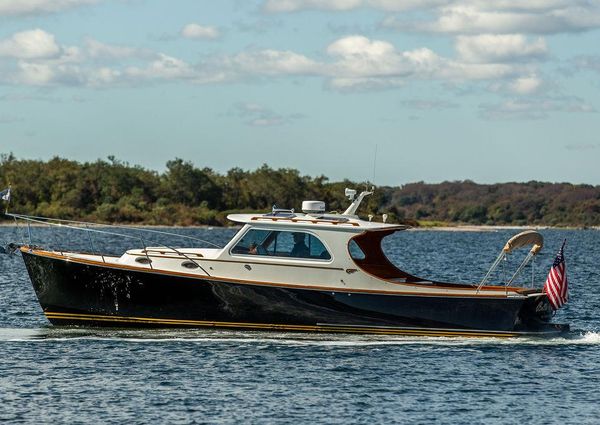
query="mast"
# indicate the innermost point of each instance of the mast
(350, 193)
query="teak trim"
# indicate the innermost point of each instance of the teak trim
(303, 220)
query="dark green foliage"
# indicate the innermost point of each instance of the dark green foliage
(185, 184)
(114, 191)
(531, 203)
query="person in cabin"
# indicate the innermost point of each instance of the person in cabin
(253, 249)
(300, 249)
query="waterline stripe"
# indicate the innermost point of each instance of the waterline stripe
(267, 326)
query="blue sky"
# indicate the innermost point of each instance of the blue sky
(446, 90)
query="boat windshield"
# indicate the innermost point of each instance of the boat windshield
(277, 243)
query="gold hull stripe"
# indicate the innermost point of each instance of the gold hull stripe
(267, 326)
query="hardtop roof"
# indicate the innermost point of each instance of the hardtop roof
(325, 222)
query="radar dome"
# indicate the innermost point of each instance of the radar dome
(313, 207)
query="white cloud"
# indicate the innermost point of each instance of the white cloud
(477, 17)
(486, 48)
(427, 104)
(279, 6)
(33, 7)
(348, 64)
(283, 6)
(103, 76)
(256, 115)
(200, 32)
(164, 68)
(33, 44)
(583, 147)
(531, 84)
(352, 63)
(353, 84)
(533, 108)
(35, 74)
(461, 71)
(587, 62)
(97, 50)
(273, 62)
(359, 45)
(364, 59)
(245, 108)
(377, 64)
(402, 5)
(526, 85)
(466, 16)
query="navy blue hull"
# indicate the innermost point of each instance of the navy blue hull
(73, 293)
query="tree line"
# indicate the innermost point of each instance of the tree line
(113, 191)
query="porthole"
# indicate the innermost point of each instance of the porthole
(189, 265)
(143, 260)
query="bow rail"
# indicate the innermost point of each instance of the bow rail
(100, 229)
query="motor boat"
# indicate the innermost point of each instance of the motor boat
(312, 271)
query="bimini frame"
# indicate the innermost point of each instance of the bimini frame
(526, 238)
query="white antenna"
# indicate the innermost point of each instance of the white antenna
(374, 163)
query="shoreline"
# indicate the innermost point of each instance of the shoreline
(450, 228)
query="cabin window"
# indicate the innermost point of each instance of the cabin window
(355, 252)
(276, 243)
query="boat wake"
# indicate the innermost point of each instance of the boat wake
(51, 334)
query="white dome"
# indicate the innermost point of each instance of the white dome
(312, 207)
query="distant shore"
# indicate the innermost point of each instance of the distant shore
(185, 194)
(445, 228)
(486, 228)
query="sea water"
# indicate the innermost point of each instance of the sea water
(91, 375)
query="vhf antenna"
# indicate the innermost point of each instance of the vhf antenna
(374, 170)
(374, 163)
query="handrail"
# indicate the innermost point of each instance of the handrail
(114, 225)
(36, 220)
(305, 220)
(86, 229)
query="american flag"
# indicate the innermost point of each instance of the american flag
(556, 286)
(5, 194)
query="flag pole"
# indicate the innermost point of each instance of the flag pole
(8, 200)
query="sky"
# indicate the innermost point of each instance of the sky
(390, 91)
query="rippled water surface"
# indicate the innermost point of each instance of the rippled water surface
(88, 375)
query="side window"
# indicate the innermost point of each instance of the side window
(282, 244)
(355, 252)
(252, 243)
(299, 245)
(317, 249)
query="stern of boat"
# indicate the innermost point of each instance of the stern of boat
(536, 314)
